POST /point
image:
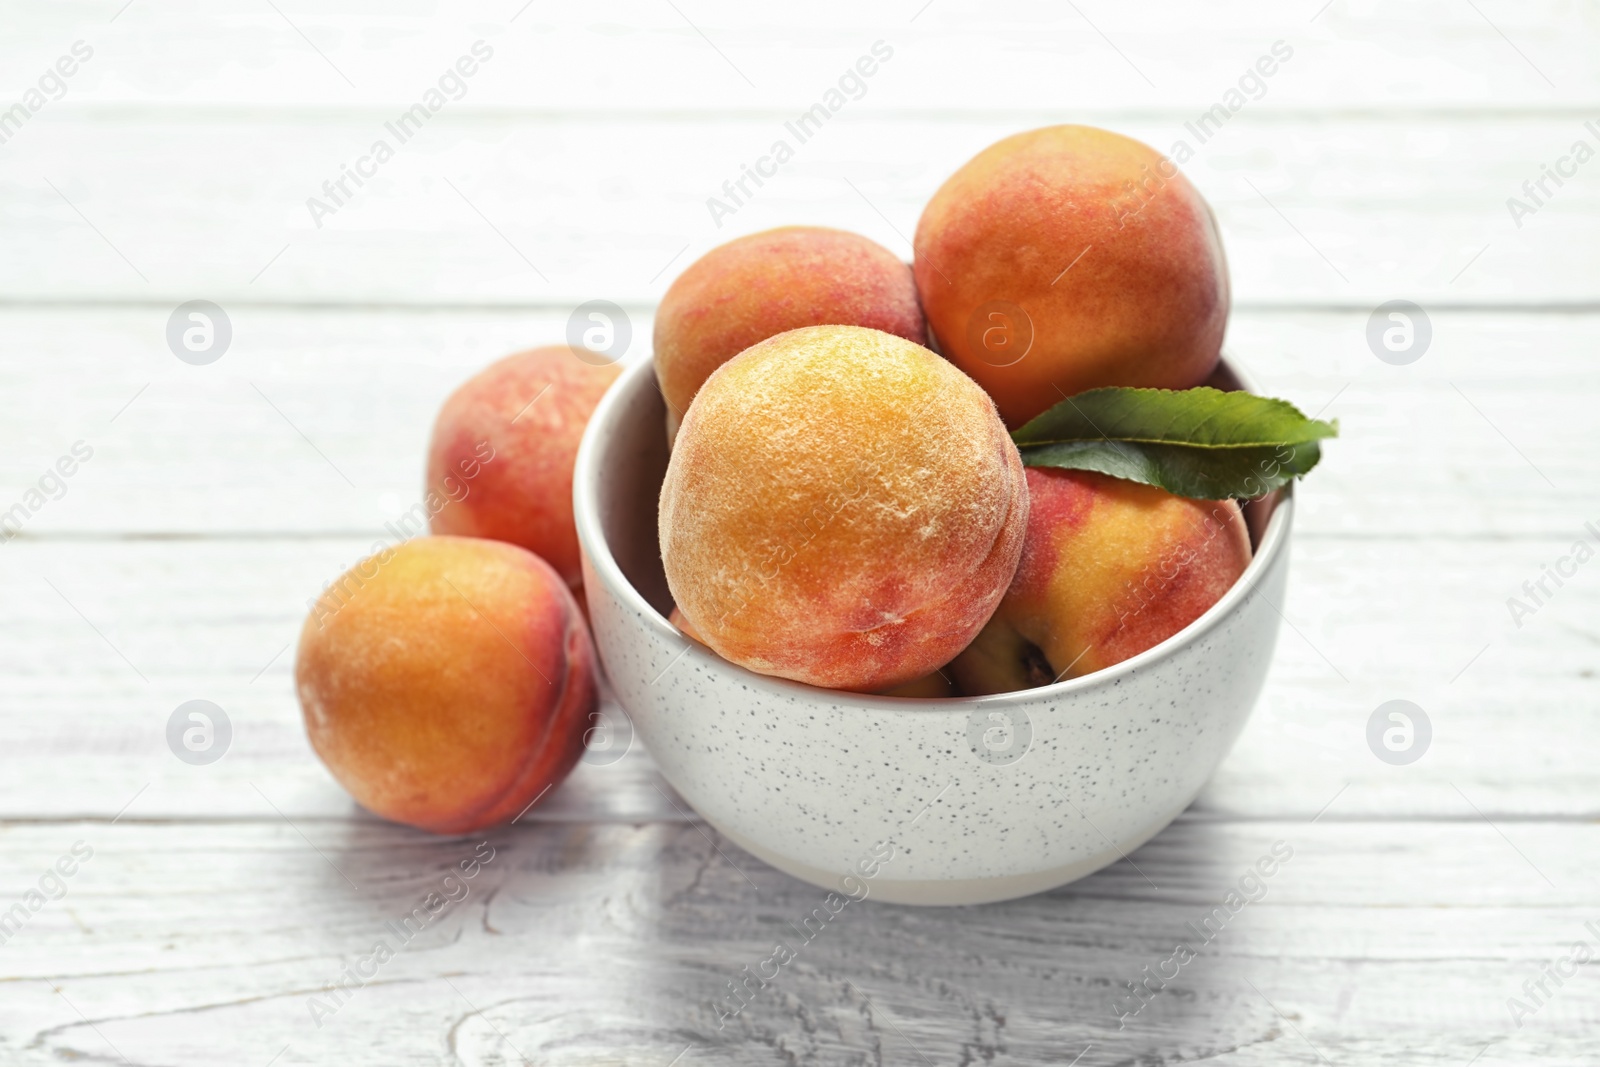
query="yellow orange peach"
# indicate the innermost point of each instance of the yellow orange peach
(1068, 258)
(843, 508)
(447, 682)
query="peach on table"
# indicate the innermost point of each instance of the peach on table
(516, 425)
(447, 682)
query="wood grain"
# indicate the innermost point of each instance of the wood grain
(220, 900)
(719, 55)
(317, 421)
(542, 210)
(583, 944)
(105, 638)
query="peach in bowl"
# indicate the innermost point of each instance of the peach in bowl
(947, 800)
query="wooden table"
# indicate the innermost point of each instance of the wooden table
(212, 908)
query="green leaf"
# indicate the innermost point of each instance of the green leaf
(1203, 474)
(1202, 417)
(1202, 443)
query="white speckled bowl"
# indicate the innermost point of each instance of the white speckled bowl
(981, 799)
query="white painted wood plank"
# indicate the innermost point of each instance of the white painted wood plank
(1395, 942)
(317, 422)
(102, 640)
(1376, 166)
(553, 210)
(954, 54)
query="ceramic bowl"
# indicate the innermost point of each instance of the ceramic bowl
(957, 801)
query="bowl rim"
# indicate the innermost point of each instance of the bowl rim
(592, 542)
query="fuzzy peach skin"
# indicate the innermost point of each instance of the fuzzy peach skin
(757, 286)
(843, 508)
(1109, 569)
(447, 682)
(504, 444)
(1112, 257)
(930, 686)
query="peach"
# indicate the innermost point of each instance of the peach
(447, 682)
(932, 685)
(758, 286)
(843, 508)
(504, 444)
(1109, 568)
(1068, 258)
(678, 619)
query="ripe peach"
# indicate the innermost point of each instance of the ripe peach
(843, 508)
(447, 681)
(678, 619)
(932, 685)
(757, 286)
(504, 444)
(1109, 569)
(1068, 258)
